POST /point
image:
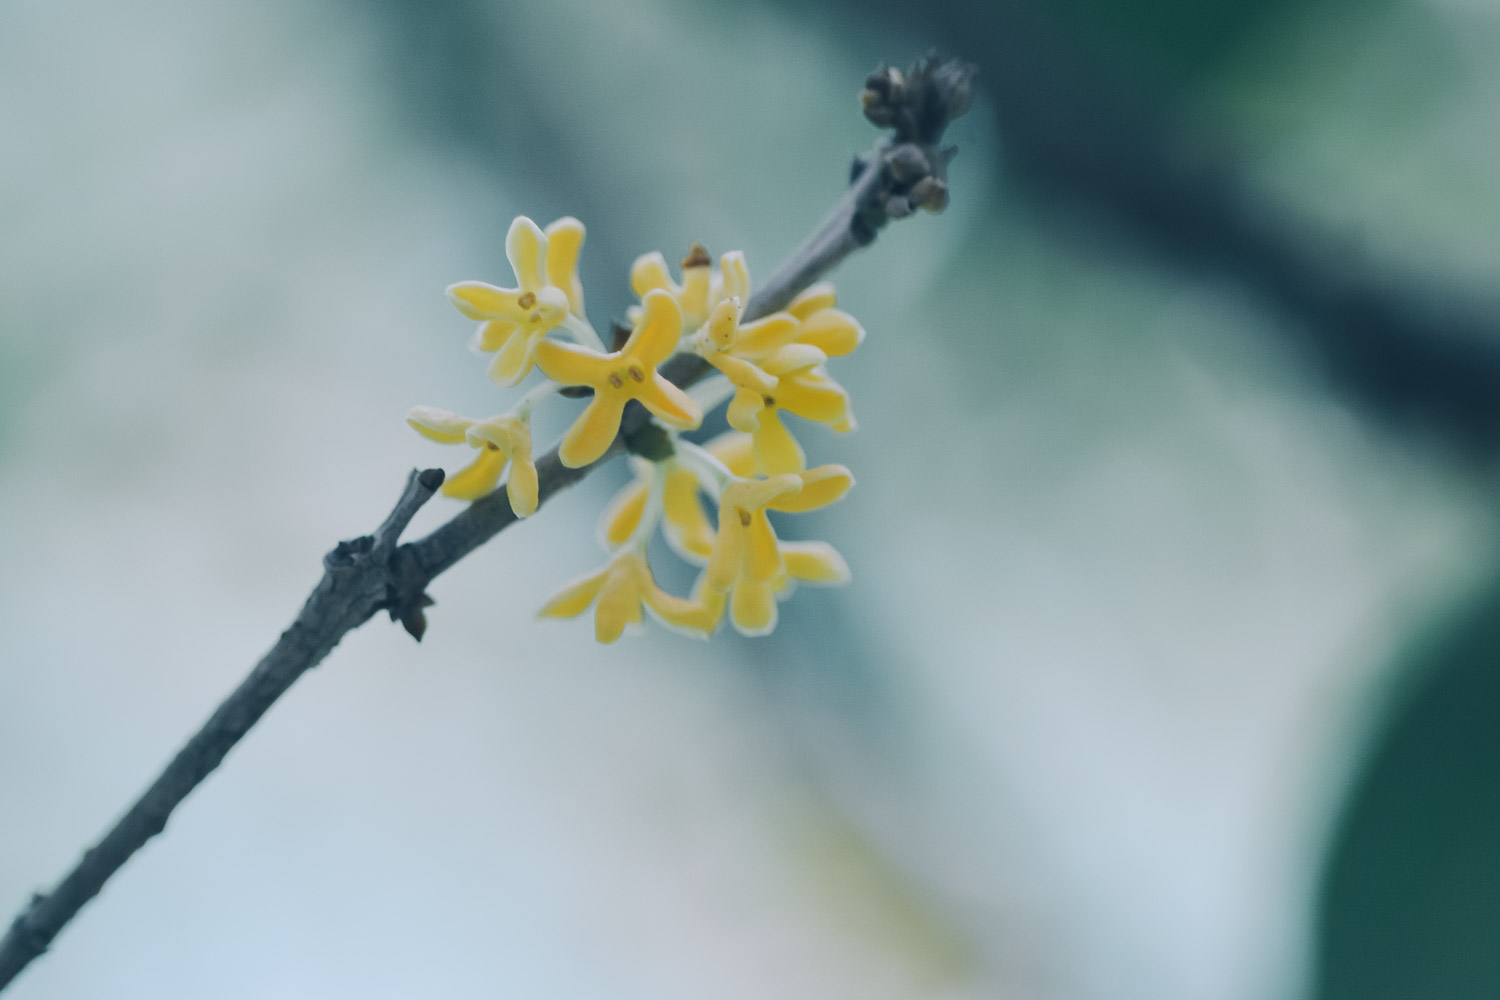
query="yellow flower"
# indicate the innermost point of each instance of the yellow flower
(830, 330)
(723, 338)
(622, 589)
(649, 273)
(499, 440)
(629, 373)
(684, 522)
(748, 564)
(514, 320)
(803, 388)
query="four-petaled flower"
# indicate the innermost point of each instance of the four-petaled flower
(684, 521)
(616, 378)
(514, 320)
(803, 388)
(774, 363)
(748, 563)
(696, 295)
(499, 440)
(622, 588)
(727, 344)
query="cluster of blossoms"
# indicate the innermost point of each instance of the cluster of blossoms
(766, 367)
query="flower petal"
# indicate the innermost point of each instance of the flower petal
(744, 410)
(792, 358)
(766, 335)
(655, 337)
(495, 431)
(685, 524)
(680, 613)
(815, 299)
(575, 596)
(744, 374)
(669, 403)
(526, 249)
(723, 324)
(594, 430)
(776, 451)
(491, 336)
(835, 332)
(752, 607)
(478, 477)
(513, 363)
(481, 300)
(650, 272)
(443, 426)
(522, 487)
(619, 604)
(762, 557)
(623, 515)
(814, 397)
(820, 487)
(697, 278)
(735, 276)
(564, 242)
(728, 551)
(815, 562)
(753, 494)
(570, 364)
(712, 600)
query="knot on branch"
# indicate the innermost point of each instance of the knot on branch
(372, 565)
(33, 940)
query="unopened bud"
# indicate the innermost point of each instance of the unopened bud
(930, 193)
(907, 163)
(898, 207)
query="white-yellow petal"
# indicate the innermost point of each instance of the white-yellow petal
(752, 607)
(745, 409)
(564, 244)
(655, 337)
(776, 450)
(735, 276)
(815, 562)
(814, 299)
(526, 249)
(575, 596)
(477, 478)
(833, 331)
(483, 301)
(436, 424)
(650, 272)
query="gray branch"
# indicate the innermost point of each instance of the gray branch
(371, 573)
(356, 583)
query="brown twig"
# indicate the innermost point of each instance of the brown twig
(372, 573)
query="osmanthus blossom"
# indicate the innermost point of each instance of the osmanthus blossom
(803, 388)
(749, 565)
(618, 377)
(514, 320)
(685, 523)
(772, 364)
(695, 296)
(776, 363)
(499, 440)
(619, 592)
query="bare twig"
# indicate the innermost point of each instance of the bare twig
(356, 583)
(371, 573)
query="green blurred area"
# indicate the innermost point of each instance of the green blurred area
(1411, 894)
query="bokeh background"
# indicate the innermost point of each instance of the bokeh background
(1169, 670)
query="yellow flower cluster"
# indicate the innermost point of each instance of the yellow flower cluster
(773, 365)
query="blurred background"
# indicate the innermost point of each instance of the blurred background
(1169, 669)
